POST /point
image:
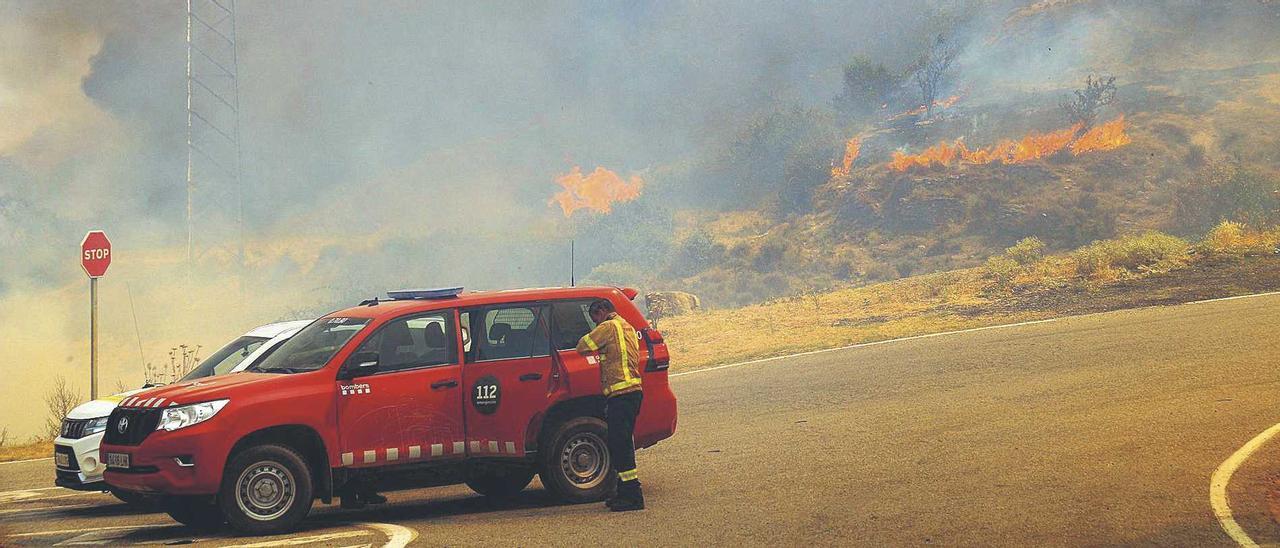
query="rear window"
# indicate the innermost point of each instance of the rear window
(572, 321)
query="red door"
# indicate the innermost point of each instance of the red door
(409, 407)
(507, 375)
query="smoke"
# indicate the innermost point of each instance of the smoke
(409, 144)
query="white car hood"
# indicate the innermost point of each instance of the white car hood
(100, 407)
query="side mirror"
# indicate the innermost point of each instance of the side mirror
(362, 363)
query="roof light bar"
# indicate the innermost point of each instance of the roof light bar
(412, 294)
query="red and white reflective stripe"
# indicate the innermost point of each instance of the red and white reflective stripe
(390, 454)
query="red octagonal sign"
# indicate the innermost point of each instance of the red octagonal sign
(95, 253)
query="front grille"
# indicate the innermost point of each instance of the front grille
(71, 458)
(73, 429)
(141, 423)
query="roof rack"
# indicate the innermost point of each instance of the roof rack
(421, 294)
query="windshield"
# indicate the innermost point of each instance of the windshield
(312, 347)
(226, 358)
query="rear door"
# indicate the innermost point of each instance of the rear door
(507, 375)
(410, 409)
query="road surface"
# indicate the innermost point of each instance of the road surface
(1101, 429)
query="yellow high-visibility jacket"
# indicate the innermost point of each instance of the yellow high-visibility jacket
(619, 349)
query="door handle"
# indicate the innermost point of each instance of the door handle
(531, 377)
(444, 384)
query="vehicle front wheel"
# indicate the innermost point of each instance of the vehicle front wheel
(498, 480)
(574, 461)
(266, 489)
(199, 513)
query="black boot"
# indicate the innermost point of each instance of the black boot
(629, 497)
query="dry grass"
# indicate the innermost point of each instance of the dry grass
(35, 450)
(941, 302)
(911, 306)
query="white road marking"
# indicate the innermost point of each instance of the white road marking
(1218, 487)
(27, 460)
(70, 531)
(48, 508)
(16, 491)
(398, 535)
(1249, 296)
(947, 333)
(294, 541)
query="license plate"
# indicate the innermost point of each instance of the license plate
(117, 460)
(62, 460)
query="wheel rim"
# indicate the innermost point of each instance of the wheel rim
(584, 460)
(265, 491)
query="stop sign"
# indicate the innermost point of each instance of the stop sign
(95, 253)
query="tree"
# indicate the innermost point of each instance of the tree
(931, 70)
(867, 85)
(60, 401)
(1084, 108)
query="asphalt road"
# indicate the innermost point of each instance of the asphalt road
(1099, 429)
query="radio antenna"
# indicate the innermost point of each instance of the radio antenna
(572, 281)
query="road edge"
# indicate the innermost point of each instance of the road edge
(961, 332)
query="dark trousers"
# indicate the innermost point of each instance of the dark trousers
(620, 413)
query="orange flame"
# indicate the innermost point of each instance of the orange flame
(851, 149)
(1034, 146)
(1108, 136)
(597, 191)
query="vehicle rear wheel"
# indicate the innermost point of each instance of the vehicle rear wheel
(266, 489)
(574, 461)
(199, 513)
(499, 480)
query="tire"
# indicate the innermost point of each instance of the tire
(199, 513)
(266, 489)
(574, 461)
(499, 481)
(137, 500)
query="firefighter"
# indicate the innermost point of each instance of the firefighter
(615, 341)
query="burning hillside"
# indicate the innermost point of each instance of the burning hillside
(597, 191)
(1108, 136)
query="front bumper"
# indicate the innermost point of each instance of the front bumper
(83, 470)
(155, 468)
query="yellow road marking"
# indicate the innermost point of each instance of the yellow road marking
(1218, 487)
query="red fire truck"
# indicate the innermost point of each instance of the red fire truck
(431, 387)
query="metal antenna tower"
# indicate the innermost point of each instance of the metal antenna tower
(215, 205)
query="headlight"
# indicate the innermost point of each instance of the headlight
(174, 418)
(95, 426)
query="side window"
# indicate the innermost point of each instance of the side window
(572, 321)
(420, 341)
(508, 332)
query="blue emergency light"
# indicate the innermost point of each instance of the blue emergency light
(438, 293)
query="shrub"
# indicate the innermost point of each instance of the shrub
(1227, 237)
(1002, 269)
(1026, 251)
(1129, 254)
(1235, 238)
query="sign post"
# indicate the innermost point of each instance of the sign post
(95, 257)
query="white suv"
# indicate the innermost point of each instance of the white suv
(75, 451)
